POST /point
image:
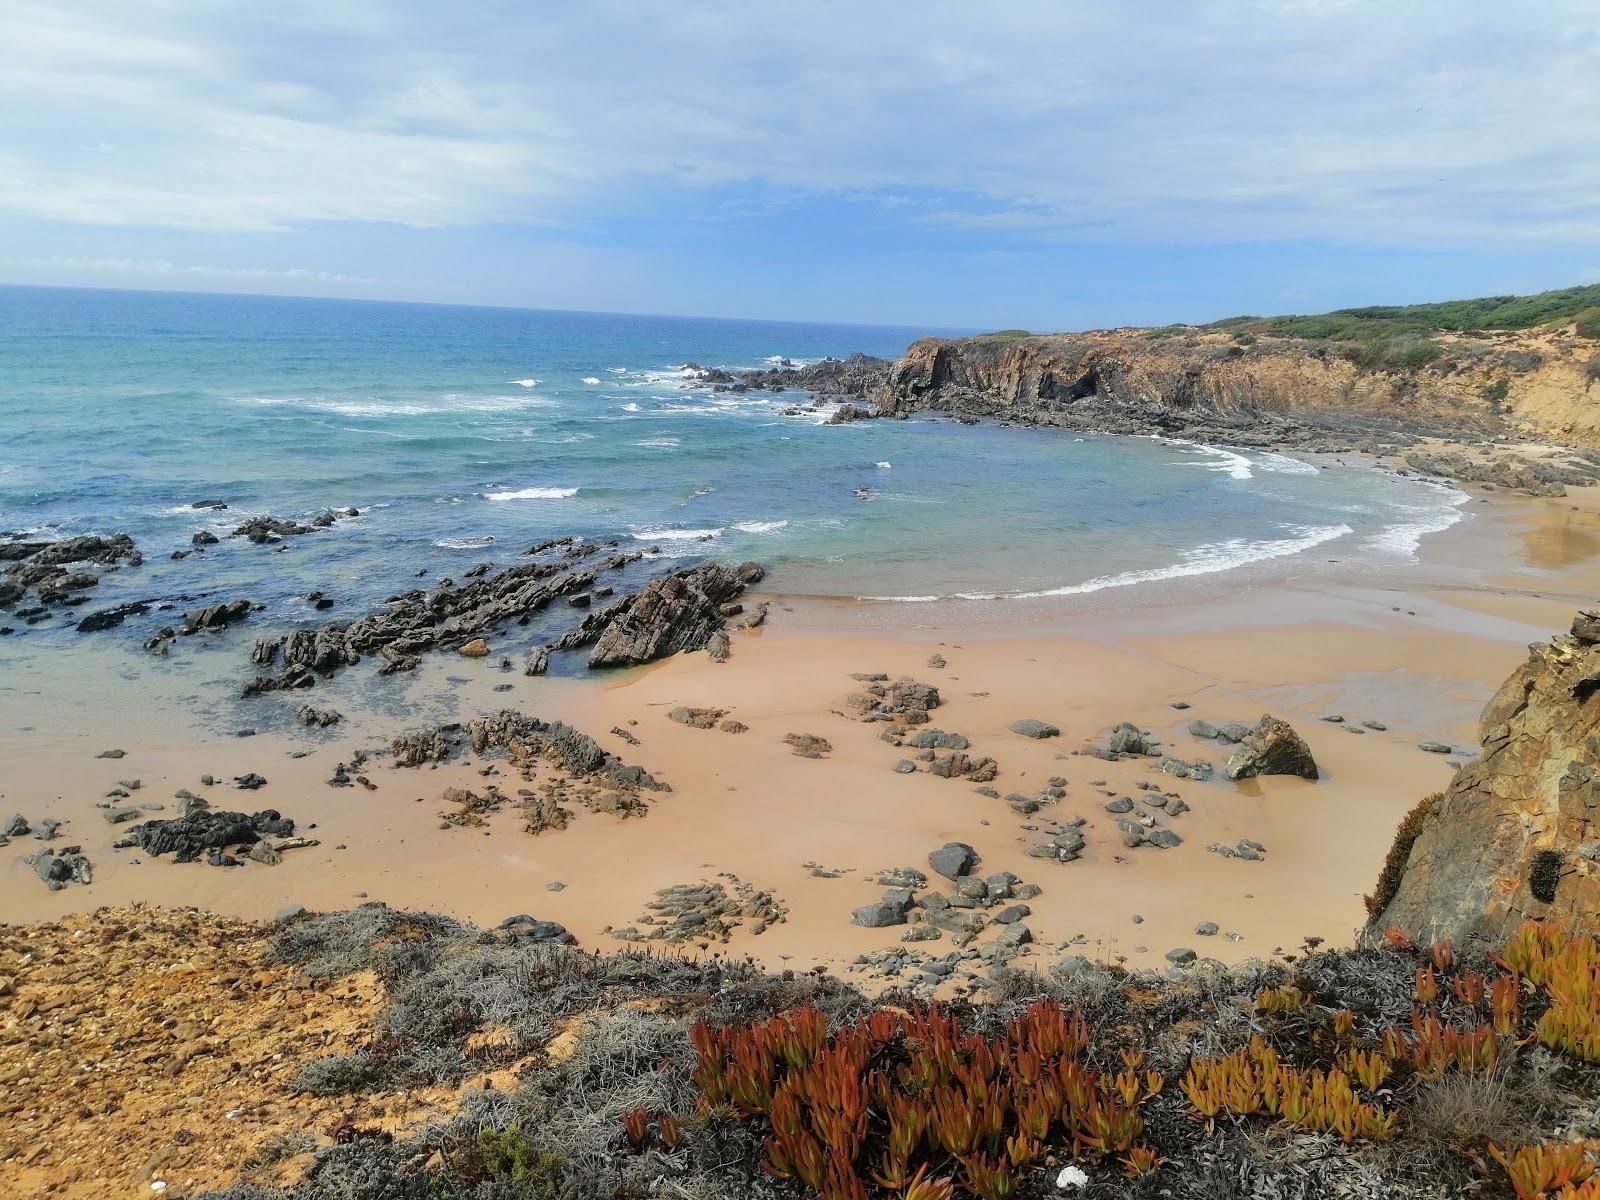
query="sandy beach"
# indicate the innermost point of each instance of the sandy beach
(1417, 654)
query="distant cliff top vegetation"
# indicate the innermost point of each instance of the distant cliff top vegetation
(1564, 305)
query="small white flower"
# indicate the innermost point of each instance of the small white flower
(1075, 1178)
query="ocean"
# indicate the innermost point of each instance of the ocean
(463, 434)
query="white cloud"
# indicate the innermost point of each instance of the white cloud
(82, 266)
(1427, 123)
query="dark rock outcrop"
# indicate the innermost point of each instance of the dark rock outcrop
(189, 837)
(1516, 836)
(678, 612)
(1271, 748)
(54, 571)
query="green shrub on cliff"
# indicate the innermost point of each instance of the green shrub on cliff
(1487, 312)
(1394, 866)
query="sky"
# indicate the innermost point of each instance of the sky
(1056, 165)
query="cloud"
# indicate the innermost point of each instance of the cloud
(62, 265)
(1422, 123)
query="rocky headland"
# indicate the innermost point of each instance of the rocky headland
(1250, 383)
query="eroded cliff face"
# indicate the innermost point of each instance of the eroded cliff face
(1149, 381)
(1516, 836)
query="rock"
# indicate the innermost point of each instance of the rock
(1202, 729)
(538, 661)
(1506, 842)
(678, 612)
(808, 745)
(907, 878)
(1163, 839)
(1435, 747)
(288, 913)
(1199, 769)
(953, 859)
(937, 739)
(190, 837)
(249, 781)
(696, 718)
(17, 827)
(320, 717)
(1033, 728)
(1012, 913)
(878, 915)
(1206, 929)
(476, 648)
(1182, 956)
(1127, 738)
(111, 754)
(110, 618)
(57, 868)
(905, 767)
(1271, 748)
(526, 930)
(1120, 804)
(1232, 731)
(732, 726)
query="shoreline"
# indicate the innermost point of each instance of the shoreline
(1301, 648)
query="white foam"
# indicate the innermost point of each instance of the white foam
(1283, 464)
(630, 406)
(675, 535)
(617, 370)
(760, 526)
(1405, 537)
(663, 443)
(533, 493)
(527, 383)
(591, 380)
(1208, 559)
(883, 466)
(471, 543)
(1235, 466)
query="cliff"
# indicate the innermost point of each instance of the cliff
(1261, 389)
(1516, 836)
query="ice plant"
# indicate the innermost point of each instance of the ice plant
(909, 1103)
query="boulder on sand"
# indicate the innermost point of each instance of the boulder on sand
(1271, 748)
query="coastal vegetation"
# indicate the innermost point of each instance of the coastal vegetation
(1560, 306)
(479, 1067)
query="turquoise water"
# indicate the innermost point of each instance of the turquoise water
(463, 434)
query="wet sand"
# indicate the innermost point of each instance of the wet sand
(1419, 652)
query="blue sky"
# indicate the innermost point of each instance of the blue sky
(1051, 165)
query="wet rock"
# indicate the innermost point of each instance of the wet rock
(110, 618)
(322, 718)
(538, 661)
(474, 648)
